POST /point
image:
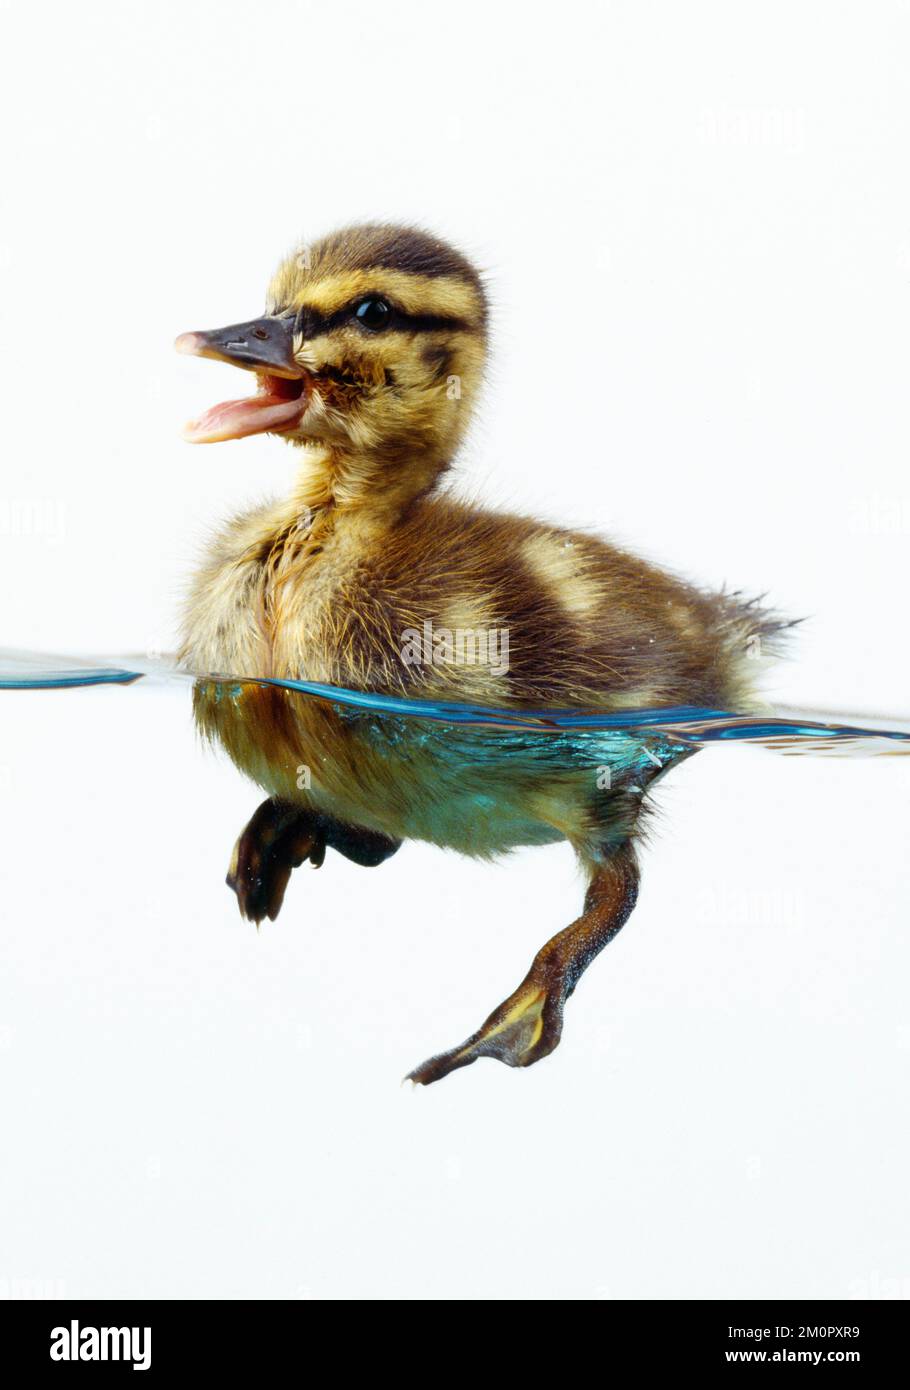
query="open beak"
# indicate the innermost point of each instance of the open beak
(264, 346)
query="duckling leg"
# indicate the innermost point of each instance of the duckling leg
(278, 839)
(528, 1025)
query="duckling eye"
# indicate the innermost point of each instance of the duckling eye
(373, 314)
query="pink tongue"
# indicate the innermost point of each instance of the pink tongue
(236, 419)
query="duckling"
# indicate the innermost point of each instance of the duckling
(371, 575)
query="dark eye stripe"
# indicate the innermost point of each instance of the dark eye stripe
(311, 323)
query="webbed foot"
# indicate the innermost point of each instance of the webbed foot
(528, 1025)
(276, 841)
(279, 838)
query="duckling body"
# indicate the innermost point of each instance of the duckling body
(370, 576)
(586, 626)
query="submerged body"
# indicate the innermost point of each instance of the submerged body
(369, 576)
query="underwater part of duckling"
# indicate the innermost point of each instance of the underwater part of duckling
(372, 783)
(369, 360)
(484, 759)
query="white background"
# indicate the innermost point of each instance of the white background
(696, 225)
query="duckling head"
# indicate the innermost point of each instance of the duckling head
(368, 358)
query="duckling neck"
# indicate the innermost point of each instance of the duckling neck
(372, 485)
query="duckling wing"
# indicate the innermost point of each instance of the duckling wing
(502, 610)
